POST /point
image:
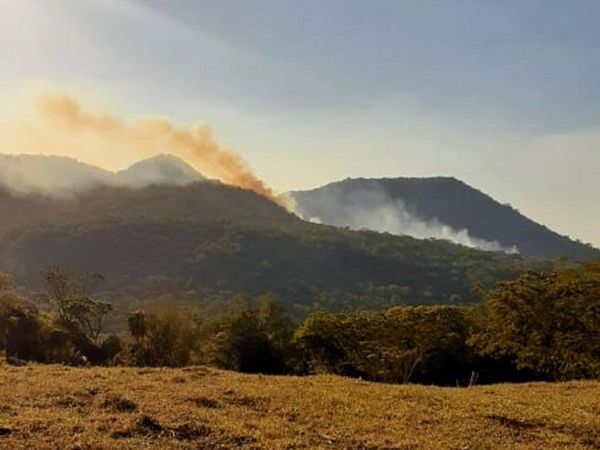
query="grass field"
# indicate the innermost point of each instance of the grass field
(60, 407)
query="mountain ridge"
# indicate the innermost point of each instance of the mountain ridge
(434, 207)
(442, 200)
(61, 175)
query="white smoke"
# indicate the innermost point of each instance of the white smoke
(49, 175)
(375, 210)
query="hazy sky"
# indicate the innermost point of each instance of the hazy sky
(504, 95)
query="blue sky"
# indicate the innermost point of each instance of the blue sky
(502, 94)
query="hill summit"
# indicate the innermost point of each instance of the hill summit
(160, 169)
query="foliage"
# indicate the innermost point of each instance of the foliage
(165, 336)
(542, 325)
(248, 340)
(548, 323)
(400, 345)
(275, 323)
(18, 323)
(69, 334)
(72, 298)
(216, 240)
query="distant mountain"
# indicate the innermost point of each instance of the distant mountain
(49, 174)
(206, 239)
(58, 175)
(439, 207)
(161, 169)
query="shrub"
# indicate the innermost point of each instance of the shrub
(546, 323)
(166, 336)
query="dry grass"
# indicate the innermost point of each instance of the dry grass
(114, 408)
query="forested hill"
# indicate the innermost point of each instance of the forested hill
(209, 238)
(421, 205)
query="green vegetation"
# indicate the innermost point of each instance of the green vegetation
(403, 344)
(70, 333)
(541, 326)
(205, 242)
(547, 323)
(166, 335)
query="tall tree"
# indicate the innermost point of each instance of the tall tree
(74, 302)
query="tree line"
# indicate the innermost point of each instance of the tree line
(540, 326)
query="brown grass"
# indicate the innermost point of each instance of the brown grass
(128, 408)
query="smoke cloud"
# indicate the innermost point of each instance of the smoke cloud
(63, 127)
(375, 210)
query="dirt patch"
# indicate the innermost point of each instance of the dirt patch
(92, 391)
(187, 432)
(205, 402)
(70, 402)
(515, 424)
(148, 427)
(255, 403)
(145, 426)
(117, 403)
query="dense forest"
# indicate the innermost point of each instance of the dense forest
(211, 274)
(539, 326)
(206, 241)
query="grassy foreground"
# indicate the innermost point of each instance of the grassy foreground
(196, 407)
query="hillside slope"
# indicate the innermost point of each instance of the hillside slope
(212, 238)
(197, 407)
(418, 206)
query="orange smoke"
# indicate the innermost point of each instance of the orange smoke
(145, 137)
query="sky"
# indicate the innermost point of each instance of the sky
(504, 95)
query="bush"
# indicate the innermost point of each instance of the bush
(236, 341)
(166, 336)
(540, 326)
(403, 344)
(545, 323)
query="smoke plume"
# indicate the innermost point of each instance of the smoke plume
(373, 209)
(63, 127)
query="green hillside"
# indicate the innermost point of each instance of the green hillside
(208, 238)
